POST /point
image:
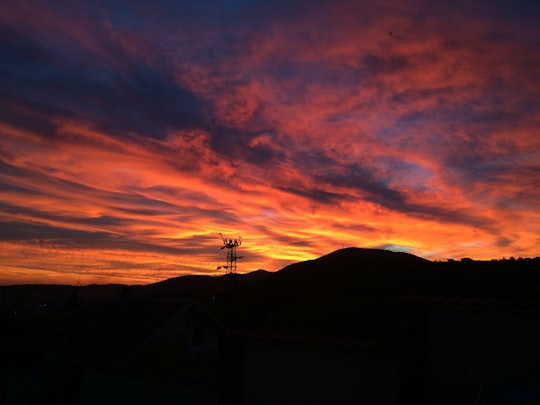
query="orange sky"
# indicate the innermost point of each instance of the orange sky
(131, 136)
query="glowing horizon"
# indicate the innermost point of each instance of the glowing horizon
(131, 136)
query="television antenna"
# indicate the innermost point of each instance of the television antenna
(230, 245)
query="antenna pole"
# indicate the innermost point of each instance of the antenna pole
(230, 245)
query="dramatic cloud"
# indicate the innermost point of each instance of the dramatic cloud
(132, 134)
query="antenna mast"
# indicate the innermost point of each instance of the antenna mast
(230, 245)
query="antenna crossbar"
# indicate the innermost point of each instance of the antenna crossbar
(230, 245)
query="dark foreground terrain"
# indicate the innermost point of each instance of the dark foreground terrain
(355, 326)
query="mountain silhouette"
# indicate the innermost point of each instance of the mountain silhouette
(197, 286)
(350, 291)
(353, 291)
(362, 292)
(370, 305)
(351, 259)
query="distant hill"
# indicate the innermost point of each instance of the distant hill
(358, 259)
(64, 296)
(350, 292)
(360, 292)
(383, 310)
(196, 285)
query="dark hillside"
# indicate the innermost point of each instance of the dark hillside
(350, 292)
(197, 286)
(367, 308)
(360, 292)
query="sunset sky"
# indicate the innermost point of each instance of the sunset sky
(133, 132)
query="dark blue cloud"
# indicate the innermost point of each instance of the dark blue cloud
(317, 196)
(47, 236)
(361, 179)
(526, 10)
(29, 231)
(375, 190)
(226, 14)
(21, 56)
(234, 144)
(38, 82)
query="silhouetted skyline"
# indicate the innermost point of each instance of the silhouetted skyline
(131, 135)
